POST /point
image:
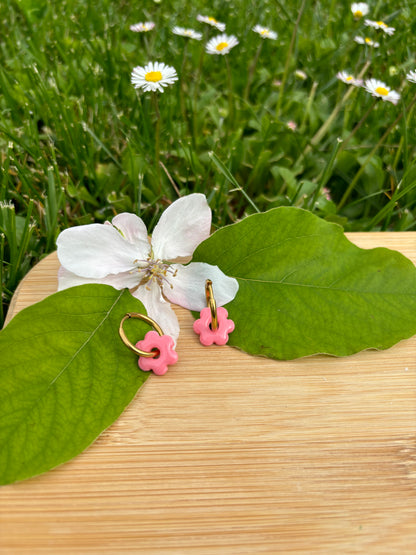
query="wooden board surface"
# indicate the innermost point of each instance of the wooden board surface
(233, 454)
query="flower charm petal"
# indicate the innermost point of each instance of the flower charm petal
(207, 335)
(381, 90)
(154, 76)
(167, 354)
(221, 44)
(119, 254)
(211, 21)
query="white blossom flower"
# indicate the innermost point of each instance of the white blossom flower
(359, 9)
(349, 79)
(264, 32)
(119, 254)
(411, 76)
(153, 76)
(367, 41)
(142, 27)
(221, 44)
(381, 90)
(380, 25)
(187, 33)
(211, 21)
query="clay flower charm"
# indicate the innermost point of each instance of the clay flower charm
(167, 355)
(119, 254)
(207, 335)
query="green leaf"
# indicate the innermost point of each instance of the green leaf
(305, 289)
(65, 376)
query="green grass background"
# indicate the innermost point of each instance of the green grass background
(78, 142)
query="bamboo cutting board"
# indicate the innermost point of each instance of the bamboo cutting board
(233, 454)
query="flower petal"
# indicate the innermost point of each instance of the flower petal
(97, 250)
(158, 309)
(182, 226)
(133, 229)
(118, 281)
(188, 285)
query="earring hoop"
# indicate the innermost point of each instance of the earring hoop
(128, 344)
(212, 305)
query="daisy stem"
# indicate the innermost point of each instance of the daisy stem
(251, 71)
(359, 124)
(157, 142)
(373, 151)
(196, 88)
(288, 60)
(327, 124)
(230, 95)
(181, 84)
(403, 139)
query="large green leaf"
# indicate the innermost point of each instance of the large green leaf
(305, 289)
(65, 376)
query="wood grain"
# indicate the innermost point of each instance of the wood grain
(233, 454)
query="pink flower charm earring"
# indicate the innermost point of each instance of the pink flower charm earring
(212, 325)
(156, 351)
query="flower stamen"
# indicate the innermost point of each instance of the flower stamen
(153, 76)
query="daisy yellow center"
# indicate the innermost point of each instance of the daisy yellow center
(264, 32)
(382, 90)
(220, 46)
(358, 13)
(349, 78)
(153, 76)
(212, 20)
(381, 23)
(368, 41)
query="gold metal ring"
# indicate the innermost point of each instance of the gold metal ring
(212, 305)
(130, 345)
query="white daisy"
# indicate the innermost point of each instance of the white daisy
(367, 41)
(380, 25)
(381, 90)
(221, 44)
(153, 76)
(142, 27)
(211, 21)
(300, 74)
(349, 79)
(264, 32)
(187, 33)
(411, 76)
(359, 9)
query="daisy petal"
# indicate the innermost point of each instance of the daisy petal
(182, 226)
(133, 229)
(188, 285)
(158, 309)
(96, 250)
(123, 280)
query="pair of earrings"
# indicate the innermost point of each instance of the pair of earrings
(156, 351)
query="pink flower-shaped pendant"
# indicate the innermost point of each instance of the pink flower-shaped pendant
(208, 336)
(167, 354)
